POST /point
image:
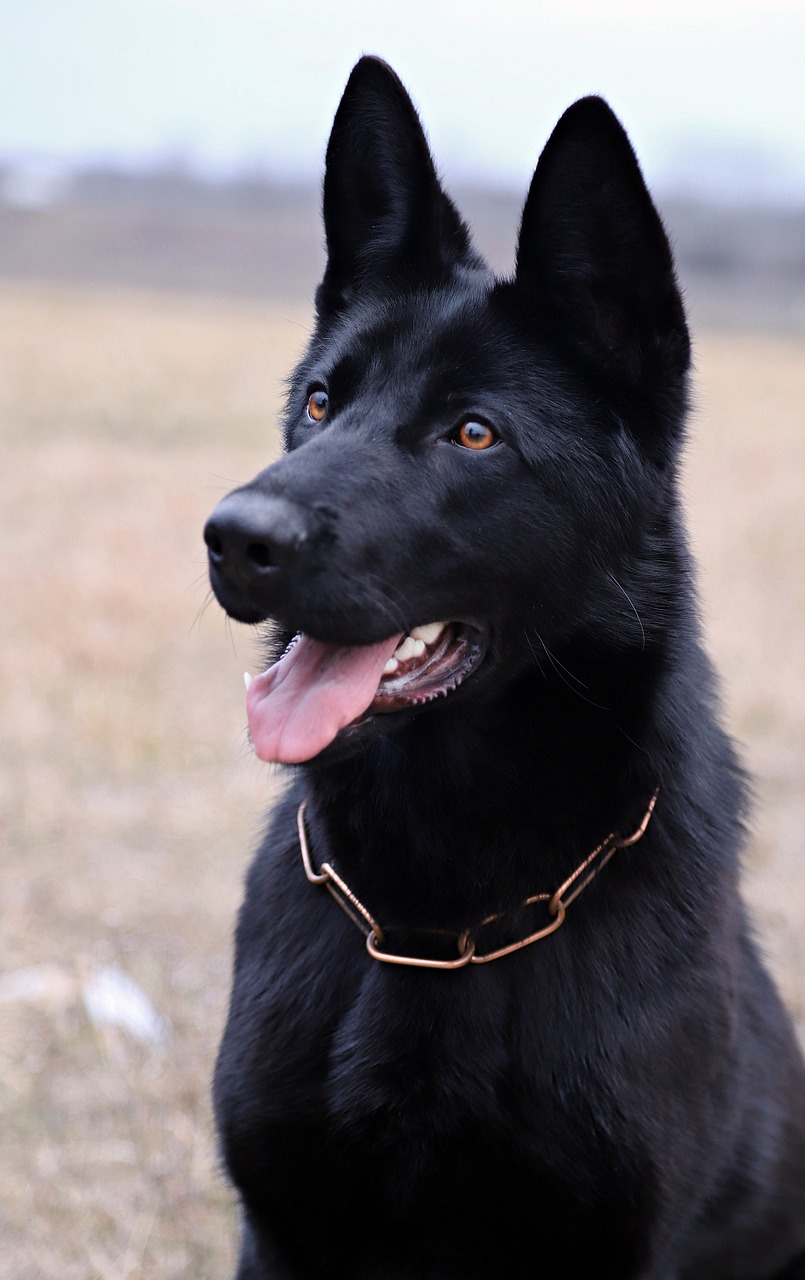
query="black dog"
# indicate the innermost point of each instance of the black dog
(493, 670)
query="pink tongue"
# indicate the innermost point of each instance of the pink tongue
(297, 707)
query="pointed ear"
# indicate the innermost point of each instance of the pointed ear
(593, 248)
(384, 210)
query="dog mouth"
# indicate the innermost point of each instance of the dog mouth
(316, 690)
(429, 662)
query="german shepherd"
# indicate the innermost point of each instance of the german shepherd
(537, 1040)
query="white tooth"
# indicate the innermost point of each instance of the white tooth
(390, 667)
(247, 679)
(429, 632)
(406, 650)
(420, 647)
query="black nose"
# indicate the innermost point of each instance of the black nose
(250, 536)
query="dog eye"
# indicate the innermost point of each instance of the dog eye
(317, 405)
(475, 435)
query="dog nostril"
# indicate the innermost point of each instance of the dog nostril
(258, 554)
(214, 544)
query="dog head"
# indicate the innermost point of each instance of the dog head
(471, 462)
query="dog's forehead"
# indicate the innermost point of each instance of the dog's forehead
(416, 336)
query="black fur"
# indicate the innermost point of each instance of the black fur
(624, 1098)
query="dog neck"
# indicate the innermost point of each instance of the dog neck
(464, 810)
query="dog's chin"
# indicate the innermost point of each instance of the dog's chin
(359, 736)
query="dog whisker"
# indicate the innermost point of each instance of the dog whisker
(566, 676)
(202, 609)
(633, 608)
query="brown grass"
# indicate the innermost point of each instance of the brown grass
(128, 800)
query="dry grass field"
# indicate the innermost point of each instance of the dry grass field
(128, 798)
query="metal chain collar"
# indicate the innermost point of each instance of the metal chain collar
(556, 903)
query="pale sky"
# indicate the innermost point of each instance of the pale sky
(712, 90)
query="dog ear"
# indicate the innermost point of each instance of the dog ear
(593, 249)
(384, 210)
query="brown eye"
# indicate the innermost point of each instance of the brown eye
(317, 405)
(475, 435)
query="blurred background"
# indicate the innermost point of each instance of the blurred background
(159, 248)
